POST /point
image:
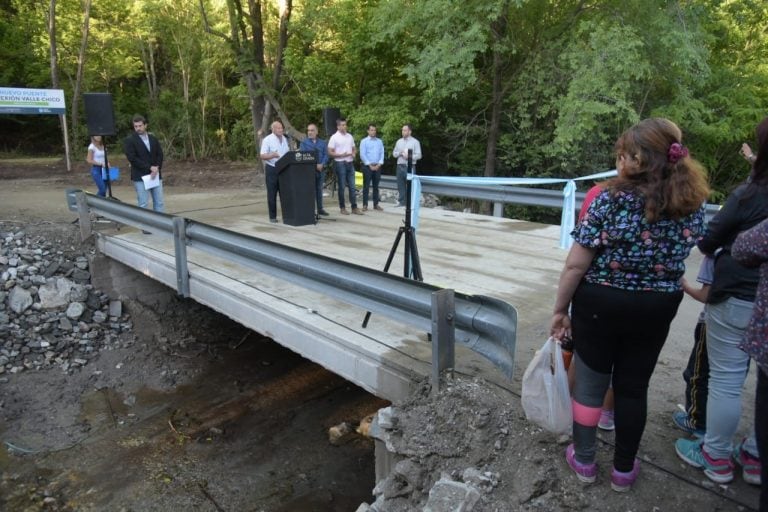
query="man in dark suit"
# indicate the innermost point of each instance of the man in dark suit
(146, 158)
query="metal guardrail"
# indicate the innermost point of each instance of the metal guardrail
(486, 325)
(500, 195)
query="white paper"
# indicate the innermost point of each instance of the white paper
(150, 182)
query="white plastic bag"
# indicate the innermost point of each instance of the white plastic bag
(546, 399)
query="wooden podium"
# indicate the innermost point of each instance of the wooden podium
(296, 182)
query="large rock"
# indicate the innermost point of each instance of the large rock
(55, 293)
(19, 300)
(74, 310)
(79, 293)
(449, 496)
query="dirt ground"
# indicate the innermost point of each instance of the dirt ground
(142, 436)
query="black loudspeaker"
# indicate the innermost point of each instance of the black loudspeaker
(330, 115)
(99, 113)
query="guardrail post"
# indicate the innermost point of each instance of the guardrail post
(84, 216)
(443, 335)
(180, 250)
(498, 209)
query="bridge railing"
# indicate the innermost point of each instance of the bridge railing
(501, 195)
(484, 324)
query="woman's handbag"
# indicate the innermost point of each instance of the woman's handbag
(546, 398)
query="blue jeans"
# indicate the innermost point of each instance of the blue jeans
(345, 177)
(319, 181)
(142, 196)
(371, 177)
(402, 172)
(728, 365)
(99, 180)
(270, 176)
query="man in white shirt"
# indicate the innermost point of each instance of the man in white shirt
(401, 153)
(273, 147)
(341, 147)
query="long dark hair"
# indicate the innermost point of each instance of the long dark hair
(759, 174)
(656, 165)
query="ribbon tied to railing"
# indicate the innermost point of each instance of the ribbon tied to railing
(567, 219)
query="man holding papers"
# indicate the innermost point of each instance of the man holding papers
(146, 158)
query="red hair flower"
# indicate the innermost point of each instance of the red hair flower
(676, 152)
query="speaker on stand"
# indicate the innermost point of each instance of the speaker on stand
(330, 115)
(100, 118)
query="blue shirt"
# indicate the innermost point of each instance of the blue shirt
(319, 146)
(371, 151)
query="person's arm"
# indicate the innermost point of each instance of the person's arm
(751, 246)
(364, 150)
(720, 229)
(89, 157)
(129, 148)
(748, 154)
(397, 149)
(158, 163)
(576, 265)
(354, 148)
(700, 294)
(380, 155)
(267, 153)
(332, 147)
(416, 150)
(322, 152)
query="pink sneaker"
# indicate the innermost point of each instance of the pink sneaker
(622, 482)
(749, 463)
(606, 420)
(587, 473)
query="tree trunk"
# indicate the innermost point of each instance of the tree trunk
(497, 99)
(55, 76)
(148, 60)
(282, 42)
(80, 67)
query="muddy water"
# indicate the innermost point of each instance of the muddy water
(250, 433)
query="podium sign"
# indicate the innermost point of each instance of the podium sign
(296, 183)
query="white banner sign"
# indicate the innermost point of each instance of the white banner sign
(31, 101)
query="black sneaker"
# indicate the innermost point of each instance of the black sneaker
(323, 213)
(273, 221)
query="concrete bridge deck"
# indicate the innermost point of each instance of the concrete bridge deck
(510, 260)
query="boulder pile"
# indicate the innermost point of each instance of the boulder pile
(50, 315)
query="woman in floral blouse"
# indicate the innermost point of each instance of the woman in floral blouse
(751, 249)
(622, 282)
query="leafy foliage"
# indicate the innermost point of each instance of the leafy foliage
(565, 77)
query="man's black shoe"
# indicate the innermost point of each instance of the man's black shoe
(323, 213)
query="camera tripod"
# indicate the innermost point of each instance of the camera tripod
(411, 264)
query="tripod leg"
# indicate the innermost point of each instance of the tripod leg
(415, 262)
(391, 256)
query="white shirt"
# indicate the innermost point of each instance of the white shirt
(145, 139)
(98, 154)
(271, 144)
(342, 144)
(404, 145)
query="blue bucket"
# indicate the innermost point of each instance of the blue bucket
(114, 174)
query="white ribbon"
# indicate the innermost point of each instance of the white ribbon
(567, 220)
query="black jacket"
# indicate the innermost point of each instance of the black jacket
(141, 159)
(743, 209)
